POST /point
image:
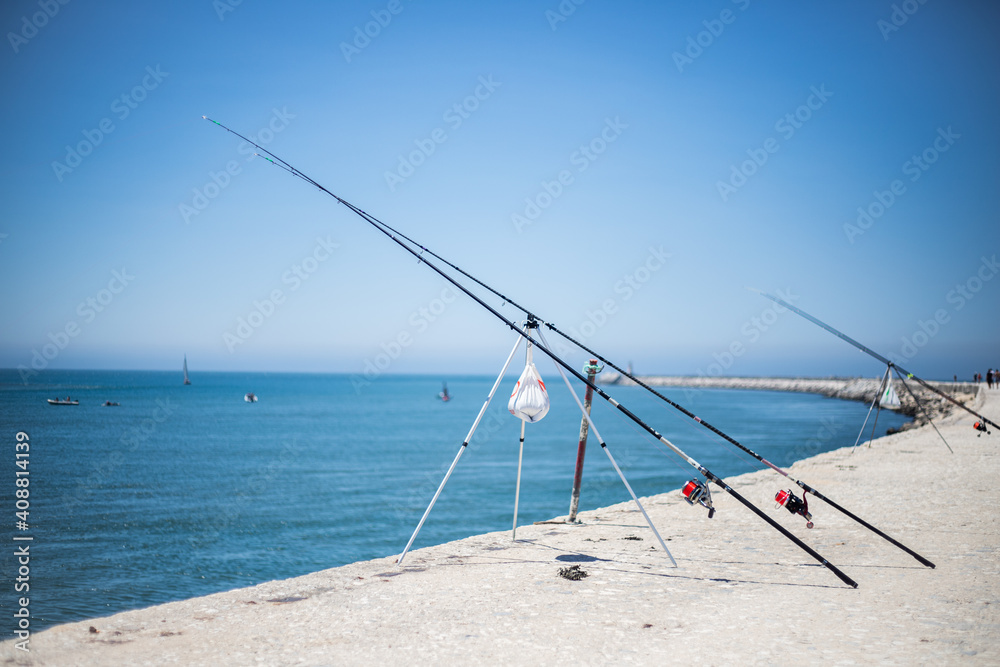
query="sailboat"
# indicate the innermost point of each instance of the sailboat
(186, 380)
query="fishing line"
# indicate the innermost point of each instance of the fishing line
(394, 236)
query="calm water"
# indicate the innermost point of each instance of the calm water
(183, 491)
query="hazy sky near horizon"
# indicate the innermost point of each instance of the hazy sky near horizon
(623, 169)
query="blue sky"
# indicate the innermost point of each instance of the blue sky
(623, 169)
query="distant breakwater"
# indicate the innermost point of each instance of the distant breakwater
(849, 389)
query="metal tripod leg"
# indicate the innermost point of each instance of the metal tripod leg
(461, 450)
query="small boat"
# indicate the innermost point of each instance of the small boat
(63, 401)
(444, 395)
(250, 397)
(186, 380)
(111, 404)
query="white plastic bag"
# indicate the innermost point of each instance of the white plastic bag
(529, 401)
(889, 397)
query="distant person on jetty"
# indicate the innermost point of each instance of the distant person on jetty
(989, 378)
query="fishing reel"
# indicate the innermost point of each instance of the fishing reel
(981, 427)
(696, 491)
(795, 505)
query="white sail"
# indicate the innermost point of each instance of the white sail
(186, 380)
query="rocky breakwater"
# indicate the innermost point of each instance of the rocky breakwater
(850, 389)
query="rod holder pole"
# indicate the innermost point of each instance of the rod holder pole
(592, 369)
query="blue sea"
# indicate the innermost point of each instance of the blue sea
(182, 491)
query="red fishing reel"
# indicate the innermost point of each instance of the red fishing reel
(795, 505)
(696, 491)
(981, 427)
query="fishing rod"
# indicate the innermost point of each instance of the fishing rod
(788, 500)
(793, 504)
(558, 360)
(867, 350)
